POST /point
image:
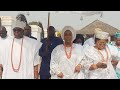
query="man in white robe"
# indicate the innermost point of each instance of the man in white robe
(98, 62)
(62, 67)
(20, 57)
(3, 39)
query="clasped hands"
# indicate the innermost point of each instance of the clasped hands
(98, 65)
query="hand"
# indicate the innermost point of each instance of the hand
(114, 62)
(35, 77)
(93, 67)
(0, 74)
(60, 75)
(104, 65)
(78, 67)
(101, 65)
(1, 70)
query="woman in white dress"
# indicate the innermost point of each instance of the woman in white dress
(67, 59)
(98, 58)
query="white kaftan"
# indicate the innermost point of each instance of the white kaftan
(30, 58)
(60, 63)
(89, 42)
(3, 43)
(92, 56)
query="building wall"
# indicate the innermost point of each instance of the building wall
(36, 31)
(45, 33)
(8, 21)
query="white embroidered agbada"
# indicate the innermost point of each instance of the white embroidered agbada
(60, 62)
(30, 58)
(92, 56)
(3, 43)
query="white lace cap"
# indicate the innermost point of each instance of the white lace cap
(19, 24)
(102, 35)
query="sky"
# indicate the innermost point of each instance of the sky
(59, 20)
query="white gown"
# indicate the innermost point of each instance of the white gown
(93, 57)
(89, 42)
(60, 63)
(30, 58)
(3, 43)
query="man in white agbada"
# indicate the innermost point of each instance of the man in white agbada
(67, 59)
(98, 58)
(19, 57)
(3, 36)
(3, 39)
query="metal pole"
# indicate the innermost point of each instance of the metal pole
(48, 22)
(48, 19)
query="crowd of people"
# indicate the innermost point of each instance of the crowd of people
(67, 57)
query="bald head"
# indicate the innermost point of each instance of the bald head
(3, 32)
